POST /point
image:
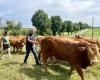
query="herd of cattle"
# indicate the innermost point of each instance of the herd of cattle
(78, 51)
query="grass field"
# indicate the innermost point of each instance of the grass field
(96, 33)
(11, 68)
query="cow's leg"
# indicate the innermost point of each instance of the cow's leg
(45, 62)
(17, 50)
(20, 50)
(13, 49)
(71, 69)
(80, 72)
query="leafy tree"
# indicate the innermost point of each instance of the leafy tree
(48, 28)
(40, 21)
(56, 24)
(76, 27)
(64, 26)
(23, 31)
(86, 25)
(18, 26)
(10, 24)
(81, 25)
(14, 28)
(69, 27)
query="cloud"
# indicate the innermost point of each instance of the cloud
(74, 10)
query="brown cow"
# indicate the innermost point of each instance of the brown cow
(17, 42)
(80, 38)
(22, 40)
(39, 38)
(78, 54)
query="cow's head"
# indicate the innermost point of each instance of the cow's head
(93, 52)
(78, 36)
(98, 43)
(39, 39)
(22, 40)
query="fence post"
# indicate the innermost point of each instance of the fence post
(92, 26)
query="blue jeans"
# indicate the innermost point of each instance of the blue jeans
(28, 49)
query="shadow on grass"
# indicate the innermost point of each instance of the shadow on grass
(10, 63)
(60, 62)
(20, 53)
(37, 72)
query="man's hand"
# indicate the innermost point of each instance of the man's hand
(35, 42)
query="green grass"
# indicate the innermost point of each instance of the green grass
(96, 33)
(11, 69)
(66, 33)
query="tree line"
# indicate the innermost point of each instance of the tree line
(45, 25)
(54, 25)
(14, 28)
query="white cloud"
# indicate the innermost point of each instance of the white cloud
(75, 10)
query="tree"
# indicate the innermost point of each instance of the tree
(81, 25)
(64, 26)
(40, 21)
(76, 27)
(14, 28)
(17, 29)
(23, 31)
(18, 26)
(86, 25)
(10, 24)
(56, 24)
(48, 28)
(69, 27)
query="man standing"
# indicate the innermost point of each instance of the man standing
(30, 46)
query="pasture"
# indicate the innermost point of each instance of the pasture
(96, 33)
(11, 68)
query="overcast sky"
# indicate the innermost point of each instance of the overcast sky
(74, 10)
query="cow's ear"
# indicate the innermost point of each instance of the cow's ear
(82, 49)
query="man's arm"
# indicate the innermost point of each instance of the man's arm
(31, 41)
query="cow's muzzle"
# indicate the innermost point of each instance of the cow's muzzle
(94, 62)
